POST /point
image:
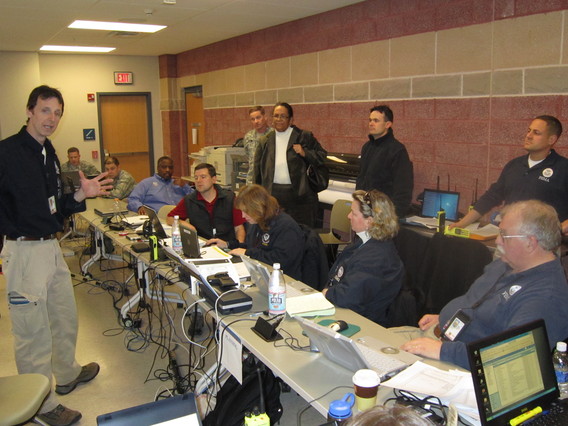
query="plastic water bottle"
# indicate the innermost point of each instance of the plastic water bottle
(116, 207)
(560, 361)
(276, 292)
(340, 409)
(176, 236)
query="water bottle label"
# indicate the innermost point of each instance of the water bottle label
(561, 376)
(176, 243)
(277, 303)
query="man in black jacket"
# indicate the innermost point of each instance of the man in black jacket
(38, 284)
(281, 161)
(210, 209)
(385, 164)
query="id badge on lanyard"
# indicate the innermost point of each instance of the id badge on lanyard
(52, 204)
(455, 325)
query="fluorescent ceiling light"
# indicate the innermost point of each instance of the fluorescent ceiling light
(116, 26)
(90, 49)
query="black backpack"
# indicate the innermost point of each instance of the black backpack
(234, 400)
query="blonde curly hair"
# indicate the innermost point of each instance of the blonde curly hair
(379, 207)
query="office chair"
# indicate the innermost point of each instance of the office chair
(21, 397)
(339, 229)
(163, 212)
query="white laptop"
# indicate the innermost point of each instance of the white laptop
(260, 275)
(366, 352)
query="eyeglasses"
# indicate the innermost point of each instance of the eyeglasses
(505, 236)
(280, 117)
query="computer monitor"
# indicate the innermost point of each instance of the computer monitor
(436, 200)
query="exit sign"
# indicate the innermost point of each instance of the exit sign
(121, 77)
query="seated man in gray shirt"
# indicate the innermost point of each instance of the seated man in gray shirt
(526, 283)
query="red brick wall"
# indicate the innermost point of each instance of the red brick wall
(359, 23)
(468, 139)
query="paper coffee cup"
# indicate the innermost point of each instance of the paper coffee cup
(366, 384)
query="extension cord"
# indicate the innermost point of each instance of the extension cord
(257, 420)
(418, 407)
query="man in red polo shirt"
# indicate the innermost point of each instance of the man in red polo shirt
(210, 209)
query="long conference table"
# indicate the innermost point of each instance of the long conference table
(309, 374)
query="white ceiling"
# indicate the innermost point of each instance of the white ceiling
(26, 25)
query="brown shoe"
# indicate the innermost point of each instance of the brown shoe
(59, 416)
(88, 373)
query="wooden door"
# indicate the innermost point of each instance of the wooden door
(195, 119)
(125, 126)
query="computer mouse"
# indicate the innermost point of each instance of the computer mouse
(389, 350)
(338, 326)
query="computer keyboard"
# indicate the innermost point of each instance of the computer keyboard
(557, 415)
(382, 363)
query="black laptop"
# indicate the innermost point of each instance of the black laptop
(513, 376)
(436, 200)
(190, 243)
(156, 224)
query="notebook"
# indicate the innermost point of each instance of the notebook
(367, 352)
(71, 181)
(107, 208)
(260, 276)
(157, 227)
(178, 410)
(435, 200)
(190, 243)
(513, 374)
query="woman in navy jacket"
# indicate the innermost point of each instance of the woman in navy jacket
(368, 274)
(272, 237)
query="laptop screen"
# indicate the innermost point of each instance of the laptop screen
(512, 373)
(435, 200)
(178, 410)
(156, 224)
(260, 275)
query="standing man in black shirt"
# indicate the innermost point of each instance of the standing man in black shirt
(33, 204)
(385, 164)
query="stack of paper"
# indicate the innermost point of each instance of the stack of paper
(309, 305)
(135, 221)
(486, 232)
(452, 386)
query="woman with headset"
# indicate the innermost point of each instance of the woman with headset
(368, 274)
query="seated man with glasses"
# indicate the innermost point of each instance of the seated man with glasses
(280, 164)
(526, 283)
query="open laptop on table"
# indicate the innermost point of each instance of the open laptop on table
(178, 410)
(513, 375)
(260, 276)
(434, 201)
(190, 243)
(156, 224)
(366, 352)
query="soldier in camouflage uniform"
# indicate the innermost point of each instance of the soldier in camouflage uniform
(123, 182)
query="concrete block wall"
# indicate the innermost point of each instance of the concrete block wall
(463, 78)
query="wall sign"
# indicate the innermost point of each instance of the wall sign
(122, 77)
(88, 134)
